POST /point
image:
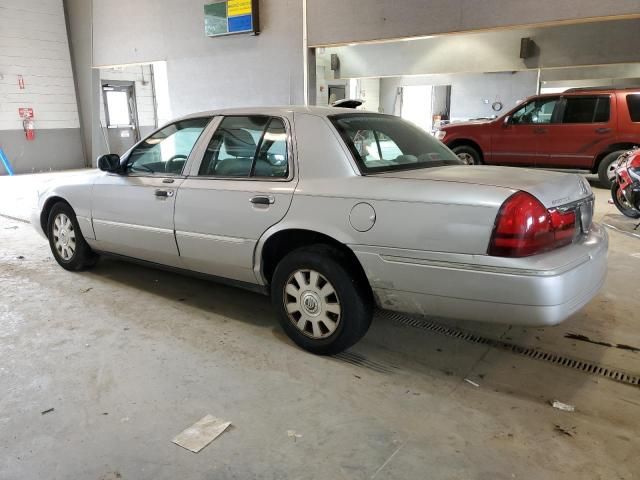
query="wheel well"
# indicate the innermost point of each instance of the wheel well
(46, 209)
(611, 149)
(466, 142)
(285, 241)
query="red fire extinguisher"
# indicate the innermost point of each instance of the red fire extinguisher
(29, 128)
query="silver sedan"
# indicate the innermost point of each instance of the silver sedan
(332, 212)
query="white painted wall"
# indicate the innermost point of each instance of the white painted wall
(468, 91)
(33, 43)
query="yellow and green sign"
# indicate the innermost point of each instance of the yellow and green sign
(223, 17)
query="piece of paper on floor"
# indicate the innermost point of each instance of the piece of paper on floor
(201, 433)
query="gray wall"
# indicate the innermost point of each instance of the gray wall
(569, 45)
(78, 13)
(468, 91)
(53, 149)
(205, 73)
(342, 21)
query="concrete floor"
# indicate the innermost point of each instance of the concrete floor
(129, 356)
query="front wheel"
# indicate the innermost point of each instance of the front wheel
(68, 246)
(322, 307)
(621, 202)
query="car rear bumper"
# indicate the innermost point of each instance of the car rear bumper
(539, 295)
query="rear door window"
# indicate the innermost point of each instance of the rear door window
(247, 146)
(633, 102)
(591, 109)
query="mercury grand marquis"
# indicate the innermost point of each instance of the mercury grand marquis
(333, 212)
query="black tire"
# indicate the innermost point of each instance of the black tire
(621, 203)
(467, 151)
(352, 295)
(604, 165)
(82, 257)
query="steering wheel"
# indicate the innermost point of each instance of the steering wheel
(171, 160)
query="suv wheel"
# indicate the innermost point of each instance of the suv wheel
(68, 246)
(467, 154)
(321, 306)
(607, 168)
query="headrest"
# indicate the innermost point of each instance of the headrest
(239, 142)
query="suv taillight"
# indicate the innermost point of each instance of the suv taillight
(525, 227)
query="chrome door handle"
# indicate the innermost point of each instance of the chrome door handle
(262, 200)
(164, 193)
(603, 130)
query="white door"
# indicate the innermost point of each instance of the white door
(243, 185)
(132, 212)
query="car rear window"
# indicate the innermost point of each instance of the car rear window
(383, 143)
(633, 102)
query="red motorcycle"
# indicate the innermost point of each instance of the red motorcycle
(625, 190)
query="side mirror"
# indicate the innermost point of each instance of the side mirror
(506, 121)
(109, 163)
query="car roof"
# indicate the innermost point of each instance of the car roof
(277, 111)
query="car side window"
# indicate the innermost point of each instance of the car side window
(272, 159)
(591, 109)
(633, 102)
(538, 111)
(167, 151)
(247, 146)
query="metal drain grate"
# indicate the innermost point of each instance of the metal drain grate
(537, 354)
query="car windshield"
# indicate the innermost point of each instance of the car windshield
(383, 143)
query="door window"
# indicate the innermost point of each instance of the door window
(633, 102)
(167, 151)
(539, 111)
(586, 110)
(252, 146)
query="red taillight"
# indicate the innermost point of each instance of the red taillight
(525, 227)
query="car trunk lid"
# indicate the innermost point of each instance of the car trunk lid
(553, 189)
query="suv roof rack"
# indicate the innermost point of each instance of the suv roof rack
(595, 89)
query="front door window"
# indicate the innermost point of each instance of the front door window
(167, 151)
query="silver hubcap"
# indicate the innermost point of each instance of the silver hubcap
(466, 158)
(64, 236)
(312, 304)
(611, 171)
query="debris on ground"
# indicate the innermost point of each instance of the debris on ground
(568, 432)
(20, 257)
(471, 382)
(48, 410)
(565, 407)
(86, 290)
(201, 433)
(293, 434)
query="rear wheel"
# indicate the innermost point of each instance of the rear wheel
(607, 168)
(621, 203)
(467, 154)
(321, 306)
(68, 246)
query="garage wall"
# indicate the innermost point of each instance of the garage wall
(468, 91)
(342, 21)
(612, 42)
(205, 73)
(33, 44)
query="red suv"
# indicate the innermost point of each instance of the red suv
(585, 129)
